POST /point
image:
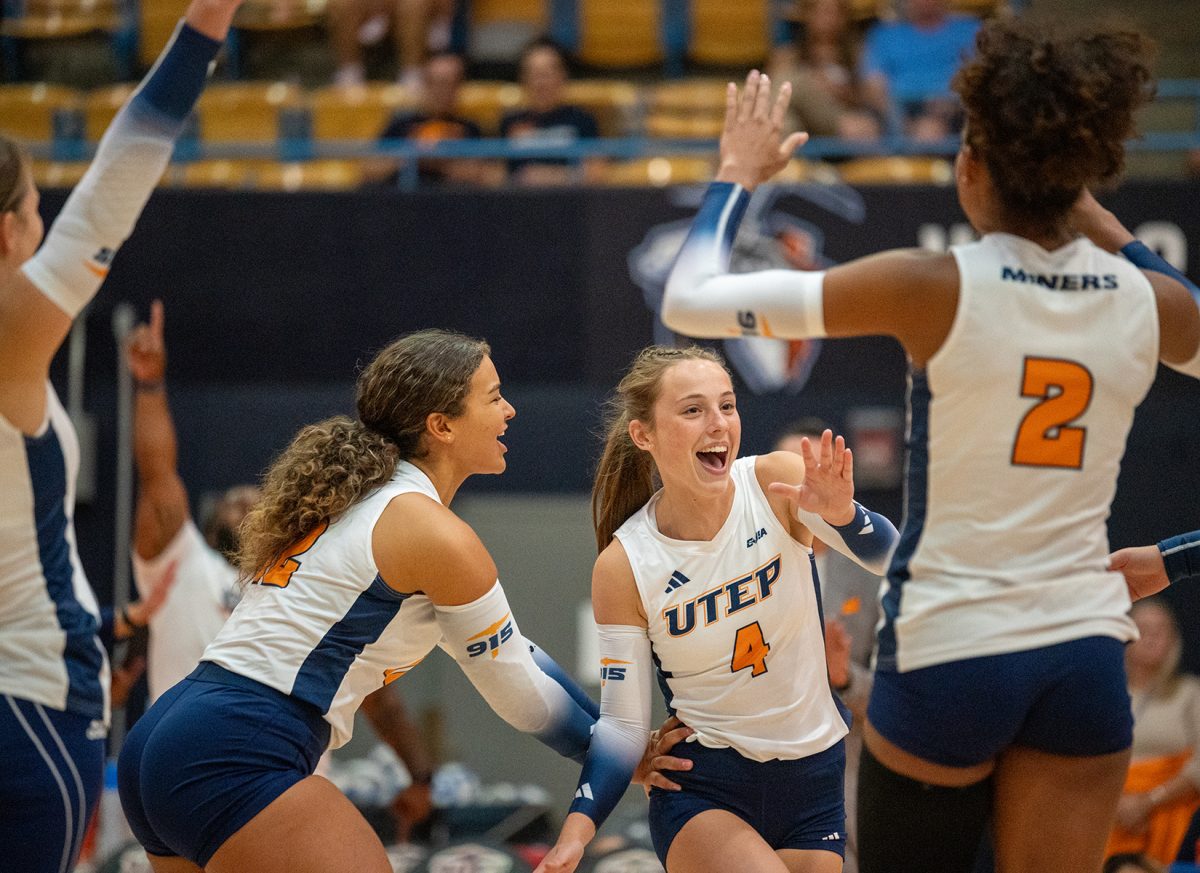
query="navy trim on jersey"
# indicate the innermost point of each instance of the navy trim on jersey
(326, 666)
(916, 486)
(82, 654)
(663, 676)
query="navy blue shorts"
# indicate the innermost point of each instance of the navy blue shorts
(51, 773)
(797, 804)
(212, 753)
(1066, 699)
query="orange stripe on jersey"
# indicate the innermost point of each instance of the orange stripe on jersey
(102, 272)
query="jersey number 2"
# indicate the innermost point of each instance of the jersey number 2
(1046, 437)
(750, 650)
(280, 573)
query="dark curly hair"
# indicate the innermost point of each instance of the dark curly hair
(1049, 109)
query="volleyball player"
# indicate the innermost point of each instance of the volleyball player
(1000, 685)
(54, 677)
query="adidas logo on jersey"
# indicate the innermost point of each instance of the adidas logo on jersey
(677, 580)
(868, 526)
(584, 792)
(833, 836)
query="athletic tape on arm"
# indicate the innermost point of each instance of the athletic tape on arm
(101, 212)
(483, 637)
(624, 725)
(704, 300)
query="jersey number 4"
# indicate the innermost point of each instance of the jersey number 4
(280, 573)
(750, 650)
(1046, 437)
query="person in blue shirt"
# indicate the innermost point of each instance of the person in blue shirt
(907, 66)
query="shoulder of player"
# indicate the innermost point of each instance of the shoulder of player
(416, 531)
(778, 467)
(615, 598)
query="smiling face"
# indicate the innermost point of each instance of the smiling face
(695, 431)
(484, 419)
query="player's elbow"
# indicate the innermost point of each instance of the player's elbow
(682, 311)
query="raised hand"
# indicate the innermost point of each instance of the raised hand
(145, 349)
(828, 486)
(752, 145)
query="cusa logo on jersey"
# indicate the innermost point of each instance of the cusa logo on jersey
(491, 638)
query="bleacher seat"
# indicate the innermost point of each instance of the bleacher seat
(322, 175)
(360, 112)
(99, 107)
(37, 112)
(156, 23)
(613, 103)
(216, 173)
(57, 174)
(485, 102)
(53, 19)
(659, 171)
(271, 16)
(686, 109)
(620, 35)
(730, 33)
(897, 170)
(245, 111)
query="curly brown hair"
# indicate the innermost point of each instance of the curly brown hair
(626, 477)
(1049, 109)
(331, 465)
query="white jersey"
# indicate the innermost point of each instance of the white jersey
(1016, 432)
(322, 625)
(735, 628)
(204, 594)
(49, 652)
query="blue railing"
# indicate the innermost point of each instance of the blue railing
(295, 142)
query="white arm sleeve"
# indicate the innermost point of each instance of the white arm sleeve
(704, 300)
(483, 637)
(102, 210)
(624, 726)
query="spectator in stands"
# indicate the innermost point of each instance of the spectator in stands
(435, 121)
(850, 604)
(822, 63)
(416, 27)
(547, 119)
(1162, 789)
(908, 64)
